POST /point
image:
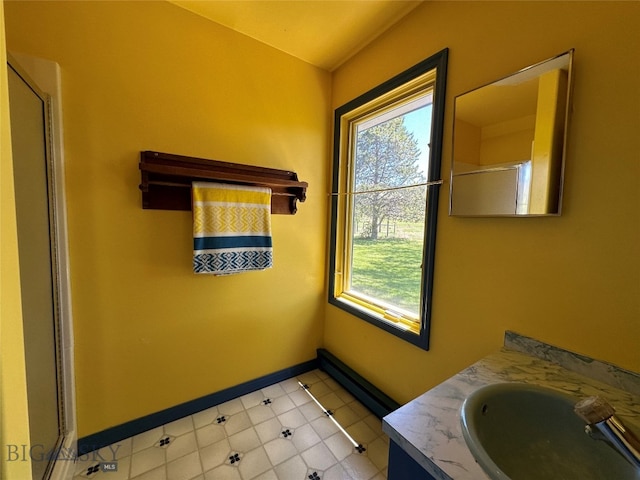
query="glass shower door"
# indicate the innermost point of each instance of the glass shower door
(36, 242)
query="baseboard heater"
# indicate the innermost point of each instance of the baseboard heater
(364, 391)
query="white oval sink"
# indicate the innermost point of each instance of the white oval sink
(518, 431)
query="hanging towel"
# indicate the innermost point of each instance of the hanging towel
(231, 228)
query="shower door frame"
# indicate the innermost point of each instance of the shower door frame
(45, 76)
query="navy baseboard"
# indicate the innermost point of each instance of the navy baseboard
(364, 391)
(134, 427)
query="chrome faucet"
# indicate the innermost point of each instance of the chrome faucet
(602, 424)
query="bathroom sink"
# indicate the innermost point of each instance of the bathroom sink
(517, 431)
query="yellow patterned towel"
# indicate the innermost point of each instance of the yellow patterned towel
(231, 228)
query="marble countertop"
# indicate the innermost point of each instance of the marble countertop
(428, 428)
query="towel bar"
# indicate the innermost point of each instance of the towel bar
(166, 181)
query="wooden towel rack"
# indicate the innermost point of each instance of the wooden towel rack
(166, 181)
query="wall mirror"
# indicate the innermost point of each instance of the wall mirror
(509, 143)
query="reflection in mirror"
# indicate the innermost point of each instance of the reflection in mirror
(509, 143)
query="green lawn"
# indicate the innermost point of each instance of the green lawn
(389, 269)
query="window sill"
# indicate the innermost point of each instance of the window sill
(399, 329)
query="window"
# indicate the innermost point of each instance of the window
(387, 149)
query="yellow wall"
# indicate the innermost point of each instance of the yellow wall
(14, 420)
(572, 280)
(151, 76)
(505, 145)
(547, 145)
(468, 142)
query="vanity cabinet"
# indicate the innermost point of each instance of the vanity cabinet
(426, 437)
(403, 467)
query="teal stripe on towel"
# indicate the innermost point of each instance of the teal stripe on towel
(214, 243)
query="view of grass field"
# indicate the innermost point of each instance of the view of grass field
(389, 268)
(390, 166)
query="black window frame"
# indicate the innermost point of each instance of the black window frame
(438, 62)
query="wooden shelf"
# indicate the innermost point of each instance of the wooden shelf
(166, 181)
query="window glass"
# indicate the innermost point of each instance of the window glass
(391, 160)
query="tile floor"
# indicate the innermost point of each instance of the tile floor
(276, 433)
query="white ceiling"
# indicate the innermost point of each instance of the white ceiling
(324, 33)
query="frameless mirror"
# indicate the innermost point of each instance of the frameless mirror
(509, 143)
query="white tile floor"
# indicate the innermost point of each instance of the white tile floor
(277, 433)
